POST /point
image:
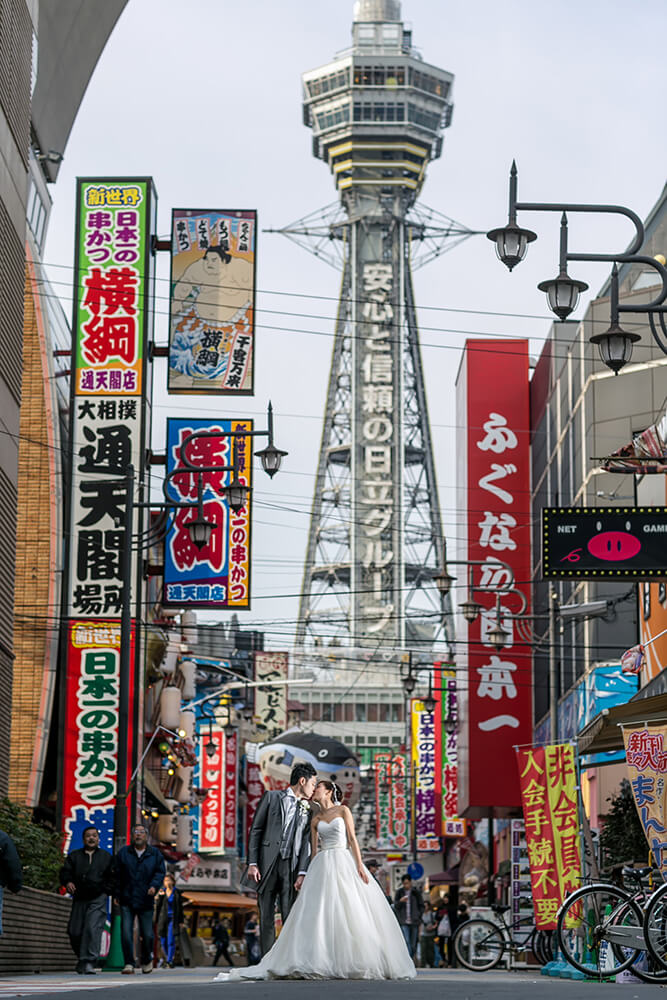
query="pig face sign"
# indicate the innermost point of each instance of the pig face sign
(621, 543)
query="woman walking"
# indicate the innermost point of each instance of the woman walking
(168, 917)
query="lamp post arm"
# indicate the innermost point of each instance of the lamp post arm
(230, 685)
(635, 246)
(159, 729)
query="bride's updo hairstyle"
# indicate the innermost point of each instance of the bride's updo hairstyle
(336, 794)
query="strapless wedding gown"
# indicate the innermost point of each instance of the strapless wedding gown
(339, 927)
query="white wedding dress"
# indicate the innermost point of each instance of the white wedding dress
(339, 927)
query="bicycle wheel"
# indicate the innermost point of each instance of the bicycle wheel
(655, 926)
(479, 945)
(600, 927)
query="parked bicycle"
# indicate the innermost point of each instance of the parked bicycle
(480, 944)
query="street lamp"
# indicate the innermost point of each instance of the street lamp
(270, 457)
(615, 344)
(429, 701)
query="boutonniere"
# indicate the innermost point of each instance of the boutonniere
(304, 807)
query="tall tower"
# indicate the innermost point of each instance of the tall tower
(377, 114)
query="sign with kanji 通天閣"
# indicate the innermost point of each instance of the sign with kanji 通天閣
(217, 575)
(548, 780)
(90, 752)
(271, 702)
(424, 764)
(646, 760)
(617, 543)
(212, 303)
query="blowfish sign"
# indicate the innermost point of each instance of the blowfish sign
(646, 757)
(618, 543)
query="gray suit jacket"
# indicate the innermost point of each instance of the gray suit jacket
(266, 835)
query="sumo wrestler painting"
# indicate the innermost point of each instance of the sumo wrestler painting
(212, 302)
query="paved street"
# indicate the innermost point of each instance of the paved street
(430, 984)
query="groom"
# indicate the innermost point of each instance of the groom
(279, 848)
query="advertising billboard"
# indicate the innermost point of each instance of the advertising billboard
(210, 832)
(446, 717)
(212, 301)
(646, 759)
(425, 764)
(617, 543)
(271, 702)
(218, 574)
(495, 695)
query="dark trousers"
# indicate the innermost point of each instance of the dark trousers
(222, 949)
(278, 886)
(427, 943)
(145, 919)
(85, 927)
(410, 935)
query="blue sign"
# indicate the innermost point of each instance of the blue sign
(415, 870)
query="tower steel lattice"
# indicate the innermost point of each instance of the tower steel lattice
(377, 114)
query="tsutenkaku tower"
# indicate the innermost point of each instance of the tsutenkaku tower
(377, 114)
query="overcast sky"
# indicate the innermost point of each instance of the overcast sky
(206, 98)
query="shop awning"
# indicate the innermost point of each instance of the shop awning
(219, 900)
(603, 734)
(449, 877)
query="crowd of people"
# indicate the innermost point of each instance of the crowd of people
(152, 907)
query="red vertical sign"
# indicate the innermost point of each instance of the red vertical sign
(210, 835)
(231, 771)
(494, 451)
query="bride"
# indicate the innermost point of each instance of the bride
(341, 926)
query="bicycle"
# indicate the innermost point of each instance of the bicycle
(479, 943)
(600, 930)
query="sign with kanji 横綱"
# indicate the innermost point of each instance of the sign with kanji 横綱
(617, 543)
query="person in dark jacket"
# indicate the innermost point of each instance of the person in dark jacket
(87, 876)
(169, 917)
(221, 938)
(138, 874)
(11, 872)
(408, 907)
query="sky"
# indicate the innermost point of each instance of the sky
(206, 98)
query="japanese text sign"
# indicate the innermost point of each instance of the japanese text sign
(548, 780)
(617, 543)
(218, 574)
(212, 315)
(425, 764)
(382, 768)
(646, 759)
(271, 702)
(494, 452)
(446, 779)
(211, 776)
(90, 755)
(231, 788)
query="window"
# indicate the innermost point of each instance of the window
(333, 116)
(360, 712)
(372, 713)
(397, 713)
(430, 84)
(349, 712)
(327, 713)
(316, 711)
(338, 712)
(420, 116)
(383, 713)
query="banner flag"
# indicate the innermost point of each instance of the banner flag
(646, 759)
(547, 777)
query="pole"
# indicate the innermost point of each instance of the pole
(553, 674)
(490, 888)
(120, 812)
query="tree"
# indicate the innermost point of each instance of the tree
(39, 847)
(622, 837)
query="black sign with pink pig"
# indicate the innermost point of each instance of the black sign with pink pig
(617, 543)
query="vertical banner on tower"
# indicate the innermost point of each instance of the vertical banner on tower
(271, 702)
(212, 314)
(646, 758)
(217, 575)
(494, 454)
(547, 777)
(112, 313)
(427, 814)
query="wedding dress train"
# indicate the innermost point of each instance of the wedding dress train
(339, 927)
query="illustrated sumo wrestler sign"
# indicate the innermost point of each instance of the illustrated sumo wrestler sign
(331, 759)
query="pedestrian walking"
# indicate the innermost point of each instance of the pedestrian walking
(87, 874)
(222, 939)
(251, 933)
(445, 934)
(408, 906)
(11, 872)
(138, 874)
(373, 867)
(169, 917)
(427, 928)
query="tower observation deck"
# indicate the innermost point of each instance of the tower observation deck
(377, 114)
